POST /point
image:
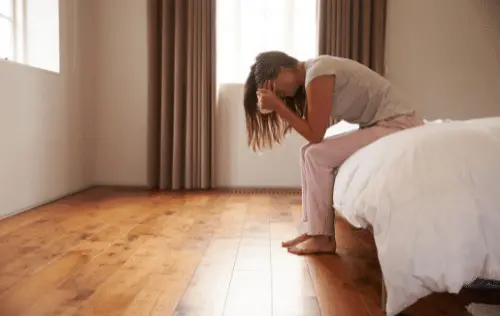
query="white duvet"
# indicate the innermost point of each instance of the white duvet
(432, 195)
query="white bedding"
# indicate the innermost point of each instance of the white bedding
(432, 195)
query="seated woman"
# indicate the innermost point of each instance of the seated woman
(282, 93)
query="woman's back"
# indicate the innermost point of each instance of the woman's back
(361, 96)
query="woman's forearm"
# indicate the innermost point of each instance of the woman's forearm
(299, 124)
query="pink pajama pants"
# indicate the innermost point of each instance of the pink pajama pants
(319, 162)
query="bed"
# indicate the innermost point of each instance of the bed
(431, 196)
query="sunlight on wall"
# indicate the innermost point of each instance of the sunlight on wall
(246, 28)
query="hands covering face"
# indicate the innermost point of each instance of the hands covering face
(267, 100)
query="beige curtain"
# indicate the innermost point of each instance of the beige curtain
(182, 93)
(353, 29)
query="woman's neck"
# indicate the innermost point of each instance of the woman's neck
(301, 73)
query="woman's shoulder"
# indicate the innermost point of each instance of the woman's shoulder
(323, 60)
(323, 65)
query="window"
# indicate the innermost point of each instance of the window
(6, 29)
(29, 32)
(247, 27)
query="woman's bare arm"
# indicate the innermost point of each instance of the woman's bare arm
(319, 98)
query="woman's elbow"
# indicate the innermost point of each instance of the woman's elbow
(314, 139)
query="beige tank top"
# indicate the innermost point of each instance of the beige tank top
(361, 95)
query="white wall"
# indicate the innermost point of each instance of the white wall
(88, 48)
(236, 164)
(42, 137)
(88, 125)
(446, 55)
(119, 86)
(448, 64)
(116, 91)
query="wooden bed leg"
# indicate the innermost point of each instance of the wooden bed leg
(384, 297)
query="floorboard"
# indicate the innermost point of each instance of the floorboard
(116, 252)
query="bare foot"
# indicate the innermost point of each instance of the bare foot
(295, 241)
(315, 245)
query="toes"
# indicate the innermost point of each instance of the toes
(308, 251)
(295, 241)
(299, 251)
(291, 243)
(311, 247)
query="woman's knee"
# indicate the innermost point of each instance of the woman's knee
(312, 152)
(303, 150)
(325, 154)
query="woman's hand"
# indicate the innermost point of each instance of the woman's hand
(267, 100)
(320, 101)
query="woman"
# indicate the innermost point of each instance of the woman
(282, 94)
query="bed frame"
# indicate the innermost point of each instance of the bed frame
(473, 293)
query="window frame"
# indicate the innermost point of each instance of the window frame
(19, 40)
(11, 21)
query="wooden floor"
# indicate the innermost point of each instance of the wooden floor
(107, 252)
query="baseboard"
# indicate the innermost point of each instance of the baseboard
(139, 188)
(123, 188)
(228, 190)
(52, 200)
(273, 191)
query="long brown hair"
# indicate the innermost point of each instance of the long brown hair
(264, 130)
